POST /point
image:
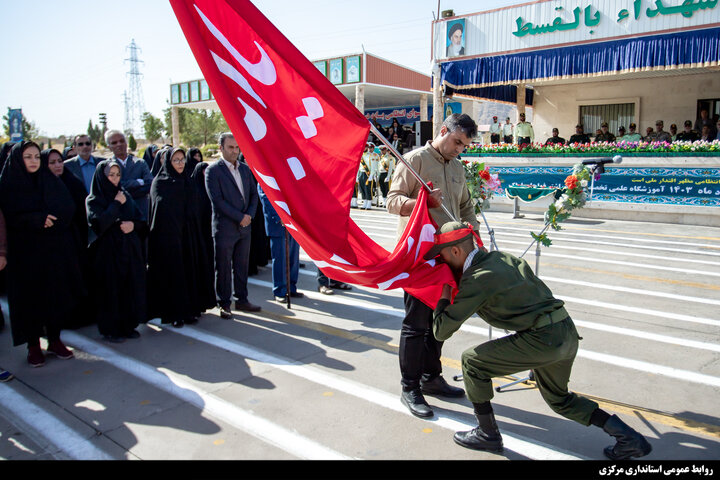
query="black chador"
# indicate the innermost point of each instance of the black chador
(44, 277)
(84, 313)
(175, 248)
(206, 277)
(117, 257)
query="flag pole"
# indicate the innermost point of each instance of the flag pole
(417, 176)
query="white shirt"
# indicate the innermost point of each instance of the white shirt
(235, 171)
(495, 128)
(469, 259)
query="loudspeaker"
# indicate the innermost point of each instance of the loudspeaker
(423, 132)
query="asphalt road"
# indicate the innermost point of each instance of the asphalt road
(321, 380)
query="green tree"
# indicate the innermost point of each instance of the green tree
(30, 131)
(197, 127)
(132, 143)
(152, 126)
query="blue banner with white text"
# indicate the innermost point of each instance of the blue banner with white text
(678, 186)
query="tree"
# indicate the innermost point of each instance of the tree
(94, 132)
(197, 127)
(152, 126)
(132, 143)
(30, 131)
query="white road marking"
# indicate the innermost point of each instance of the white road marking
(42, 423)
(531, 449)
(611, 359)
(637, 291)
(175, 385)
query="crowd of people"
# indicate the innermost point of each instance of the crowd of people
(119, 241)
(174, 234)
(704, 129)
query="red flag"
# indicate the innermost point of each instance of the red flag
(303, 141)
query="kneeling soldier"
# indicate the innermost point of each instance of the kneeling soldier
(504, 291)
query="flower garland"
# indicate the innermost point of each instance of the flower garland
(481, 183)
(620, 147)
(567, 199)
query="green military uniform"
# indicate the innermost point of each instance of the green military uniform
(504, 291)
(605, 137)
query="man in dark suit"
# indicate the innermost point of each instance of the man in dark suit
(234, 201)
(136, 177)
(277, 233)
(84, 164)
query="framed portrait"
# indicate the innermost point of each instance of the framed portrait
(194, 91)
(322, 66)
(175, 94)
(352, 69)
(184, 93)
(455, 38)
(204, 90)
(336, 71)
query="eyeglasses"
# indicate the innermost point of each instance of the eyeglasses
(178, 160)
(83, 144)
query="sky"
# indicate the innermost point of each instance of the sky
(66, 61)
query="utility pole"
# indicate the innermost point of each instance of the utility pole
(134, 99)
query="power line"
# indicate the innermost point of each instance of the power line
(134, 99)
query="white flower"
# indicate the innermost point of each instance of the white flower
(583, 183)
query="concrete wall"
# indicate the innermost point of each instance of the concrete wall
(672, 99)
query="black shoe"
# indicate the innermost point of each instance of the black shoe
(133, 334)
(297, 295)
(439, 386)
(629, 442)
(247, 307)
(225, 313)
(178, 324)
(415, 402)
(191, 321)
(486, 436)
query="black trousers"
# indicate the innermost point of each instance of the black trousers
(419, 350)
(383, 184)
(232, 258)
(508, 138)
(494, 138)
(523, 140)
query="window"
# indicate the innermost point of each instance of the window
(616, 115)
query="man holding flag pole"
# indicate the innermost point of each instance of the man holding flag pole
(436, 163)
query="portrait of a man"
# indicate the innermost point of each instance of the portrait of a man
(456, 38)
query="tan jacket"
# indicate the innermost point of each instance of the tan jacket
(448, 176)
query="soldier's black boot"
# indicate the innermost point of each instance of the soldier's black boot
(486, 436)
(629, 442)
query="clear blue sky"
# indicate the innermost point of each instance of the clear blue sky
(65, 60)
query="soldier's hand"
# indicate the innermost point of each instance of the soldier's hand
(435, 198)
(446, 292)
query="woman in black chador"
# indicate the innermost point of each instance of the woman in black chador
(206, 278)
(116, 255)
(84, 313)
(176, 248)
(43, 270)
(194, 157)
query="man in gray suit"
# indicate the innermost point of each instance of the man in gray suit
(136, 177)
(84, 164)
(234, 201)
